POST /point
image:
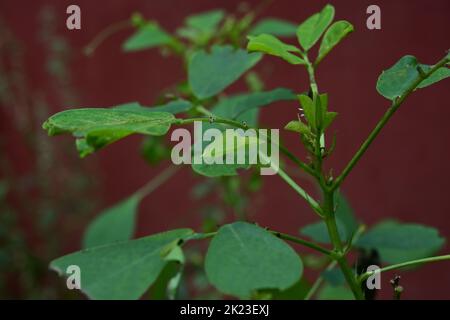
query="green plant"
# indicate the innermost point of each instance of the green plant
(243, 259)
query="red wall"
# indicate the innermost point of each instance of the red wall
(403, 174)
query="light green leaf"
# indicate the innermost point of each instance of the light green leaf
(243, 258)
(173, 107)
(269, 44)
(95, 128)
(399, 242)
(122, 270)
(438, 75)
(309, 109)
(335, 34)
(298, 126)
(114, 224)
(210, 73)
(148, 36)
(328, 119)
(394, 82)
(318, 231)
(310, 31)
(275, 27)
(205, 21)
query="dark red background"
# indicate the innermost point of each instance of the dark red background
(404, 174)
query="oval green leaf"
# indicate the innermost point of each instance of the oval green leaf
(243, 258)
(269, 44)
(275, 27)
(397, 242)
(335, 34)
(310, 31)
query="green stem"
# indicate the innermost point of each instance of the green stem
(316, 285)
(389, 113)
(281, 173)
(157, 181)
(405, 264)
(303, 242)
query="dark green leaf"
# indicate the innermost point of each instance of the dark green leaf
(318, 231)
(114, 224)
(273, 26)
(335, 34)
(345, 213)
(243, 258)
(95, 128)
(269, 44)
(395, 81)
(329, 292)
(310, 31)
(210, 73)
(397, 242)
(122, 270)
(148, 36)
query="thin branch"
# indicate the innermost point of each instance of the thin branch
(395, 105)
(364, 276)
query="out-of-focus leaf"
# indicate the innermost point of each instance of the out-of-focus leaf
(148, 36)
(210, 73)
(275, 27)
(399, 242)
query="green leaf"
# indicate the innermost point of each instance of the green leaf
(275, 27)
(238, 107)
(148, 36)
(200, 28)
(395, 81)
(95, 128)
(114, 224)
(438, 75)
(309, 109)
(318, 231)
(310, 31)
(243, 108)
(399, 242)
(330, 292)
(205, 21)
(243, 258)
(173, 107)
(329, 118)
(122, 270)
(335, 34)
(210, 73)
(345, 213)
(298, 126)
(269, 44)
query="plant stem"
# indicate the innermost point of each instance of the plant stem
(313, 203)
(319, 281)
(157, 181)
(303, 242)
(330, 221)
(405, 264)
(389, 113)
